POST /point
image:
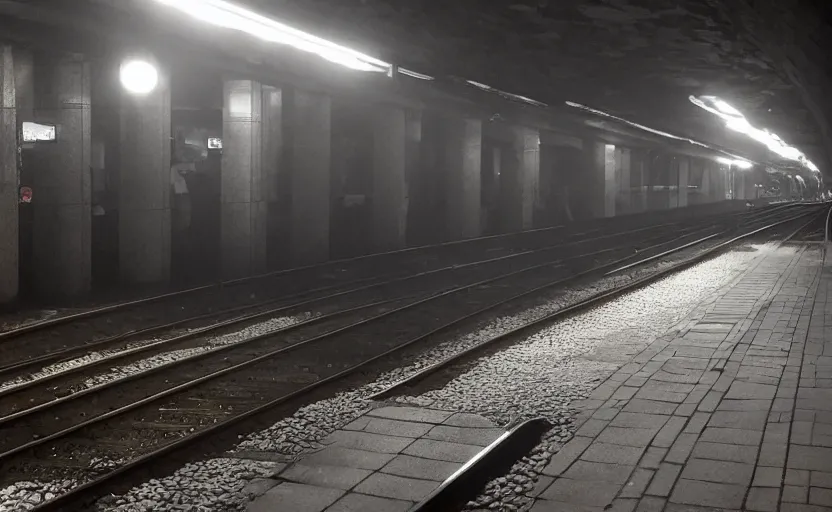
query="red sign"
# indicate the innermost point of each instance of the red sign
(25, 194)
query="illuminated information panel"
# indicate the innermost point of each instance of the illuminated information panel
(36, 132)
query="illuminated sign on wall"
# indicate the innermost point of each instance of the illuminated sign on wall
(214, 143)
(36, 132)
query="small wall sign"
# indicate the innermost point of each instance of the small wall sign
(25, 194)
(36, 132)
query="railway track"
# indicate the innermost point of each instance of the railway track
(19, 373)
(61, 336)
(71, 389)
(131, 317)
(464, 485)
(231, 384)
(419, 379)
(813, 232)
(120, 346)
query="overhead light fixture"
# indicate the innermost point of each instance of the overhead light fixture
(735, 120)
(507, 95)
(731, 162)
(526, 99)
(414, 74)
(633, 124)
(725, 108)
(227, 15)
(482, 86)
(138, 76)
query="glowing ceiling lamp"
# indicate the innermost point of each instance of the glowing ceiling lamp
(740, 164)
(726, 108)
(138, 76)
(227, 15)
(737, 122)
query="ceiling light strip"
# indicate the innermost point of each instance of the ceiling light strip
(742, 164)
(507, 95)
(636, 125)
(225, 14)
(414, 74)
(735, 120)
(739, 162)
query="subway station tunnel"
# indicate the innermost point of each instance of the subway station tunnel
(456, 121)
(407, 255)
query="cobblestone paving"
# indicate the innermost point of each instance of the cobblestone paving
(384, 461)
(734, 413)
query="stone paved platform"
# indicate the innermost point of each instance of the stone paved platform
(731, 413)
(384, 461)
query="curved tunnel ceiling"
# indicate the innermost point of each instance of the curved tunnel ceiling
(637, 59)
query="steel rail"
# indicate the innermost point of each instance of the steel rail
(99, 344)
(89, 490)
(117, 382)
(581, 305)
(63, 319)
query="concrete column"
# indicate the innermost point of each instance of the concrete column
(243, 201)
(705, 185)
(24, 85)
(597, 183)
(426, 184)
(274, 186)
(8, 178)
(493, 197)
(731, 183)
(714, 179)
(647, 179)
(742, 180)
(623, 163)
(521, 179)
(661, 181)
(310, 148)
(389, 178)
(462, 161)
(747, 183)
(603, 183)
(684, 178)
(62, 222)
(638, 163)
(721, 181)
(413, 162)
(144, 189)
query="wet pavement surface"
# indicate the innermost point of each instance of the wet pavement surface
(386, 460)
(553, 372)
(730, 413)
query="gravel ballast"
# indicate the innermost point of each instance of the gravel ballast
(539, 375)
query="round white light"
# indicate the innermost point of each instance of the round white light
(139, 76)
